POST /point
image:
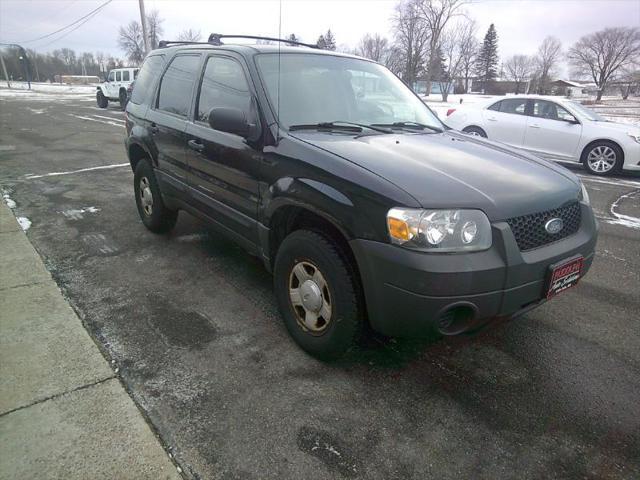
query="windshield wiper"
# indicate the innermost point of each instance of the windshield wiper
(410, 125)
(339, 125)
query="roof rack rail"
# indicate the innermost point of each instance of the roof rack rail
(216, 39)
(167, 43)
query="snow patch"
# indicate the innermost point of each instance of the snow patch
(9, 201)
(78, 213)
(37, 111)
(7, 148)
(621, 219)
(24, 222)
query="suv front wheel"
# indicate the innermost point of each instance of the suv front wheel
(101, 100)
(153, 212)
(317, 293)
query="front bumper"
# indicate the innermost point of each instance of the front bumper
(407, 292)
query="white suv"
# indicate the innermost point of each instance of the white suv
(115, 87)
(555, 128)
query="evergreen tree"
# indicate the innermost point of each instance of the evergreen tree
(321, 43)
(487, 65)
(293, 38)
(329, 41)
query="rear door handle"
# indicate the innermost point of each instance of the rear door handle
(534, 125)
(196, 145)
(154, 129)
(492, 119)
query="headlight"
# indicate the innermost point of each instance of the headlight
(635, 136)
(584, 195)
(439, 230)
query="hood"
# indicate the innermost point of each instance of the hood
(452, 170)
(617, 127)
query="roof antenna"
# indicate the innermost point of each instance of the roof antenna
(279, 46)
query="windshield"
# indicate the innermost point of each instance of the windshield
(322, 88)
(587, 112)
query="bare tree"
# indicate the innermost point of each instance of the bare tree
(450, 58)
(519, 68)
(629, 78)
(547, 59)
(131, 42)
(374, 47)
(154, 28)
(190, 35)
(411, 40)
(469, 48)
(602, 54)
(436, 14)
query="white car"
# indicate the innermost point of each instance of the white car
(114, 88)
(553, 128)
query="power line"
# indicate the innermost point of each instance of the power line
(87, 16)
(74, 28)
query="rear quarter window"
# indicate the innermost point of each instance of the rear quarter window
(150, 71)
(176, 86)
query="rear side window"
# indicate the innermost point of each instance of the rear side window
(514, 105)
(118, 76)
(223, 85)
(125, 76)
(177, 85)
(146, 79)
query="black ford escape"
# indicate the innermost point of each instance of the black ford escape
(363, 204)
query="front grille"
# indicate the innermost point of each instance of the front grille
(529, 229)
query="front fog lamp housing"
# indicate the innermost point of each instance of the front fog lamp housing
(439, 230)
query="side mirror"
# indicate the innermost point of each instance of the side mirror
(230, 120)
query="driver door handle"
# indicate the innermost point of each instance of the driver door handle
(534, 125)
(196, 145)
(492, 119)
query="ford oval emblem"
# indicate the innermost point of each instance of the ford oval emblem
(554, 226)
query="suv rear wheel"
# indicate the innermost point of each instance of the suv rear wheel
(153, 212)
(316, 289)
(101, 100)
(122, 97)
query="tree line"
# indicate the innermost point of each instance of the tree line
(437, 41)
(432, 40)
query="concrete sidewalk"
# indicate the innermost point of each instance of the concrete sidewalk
(63, 412)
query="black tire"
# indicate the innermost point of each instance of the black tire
(346, 325)
(610, 151)
(101, 100)
(123, 98)
(159, 218)
(477, 131)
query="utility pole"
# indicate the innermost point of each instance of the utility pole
(4, 69)
(143, 22)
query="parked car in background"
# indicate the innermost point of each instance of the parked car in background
(554, 128)
(115, 87)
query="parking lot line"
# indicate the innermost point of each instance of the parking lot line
(55, 174)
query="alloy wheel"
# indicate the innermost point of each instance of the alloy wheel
(146, 197)
(310, 298)
(601, 159)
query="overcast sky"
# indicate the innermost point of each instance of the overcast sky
(521, 24)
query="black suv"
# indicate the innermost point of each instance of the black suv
(367, 208)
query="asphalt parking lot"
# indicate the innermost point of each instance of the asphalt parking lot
(192, 325)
